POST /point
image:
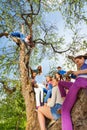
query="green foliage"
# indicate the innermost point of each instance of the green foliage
(9, 61)
(12, 107)
(74, 11)
(10, 12)
(12, 112)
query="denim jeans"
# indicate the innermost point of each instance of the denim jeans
(18, 34)
(54, 112)
(48, 95)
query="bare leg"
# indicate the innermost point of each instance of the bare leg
(43, 112)
(41, 119)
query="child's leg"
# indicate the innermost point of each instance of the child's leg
(15, 34)
(42, 95)
(41, 119)
(69, 102)
(37, 96)
(43, 112)
(48, 95)
(62, 85)
(45, 90)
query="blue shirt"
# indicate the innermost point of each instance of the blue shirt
(62, 72)
(84, 66)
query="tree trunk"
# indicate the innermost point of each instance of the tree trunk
(27, 92)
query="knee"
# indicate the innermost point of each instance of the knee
(40, 109)
(49, 91)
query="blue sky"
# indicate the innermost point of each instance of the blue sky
(55, 18)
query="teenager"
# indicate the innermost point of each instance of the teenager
(49, 110)
(80, 82)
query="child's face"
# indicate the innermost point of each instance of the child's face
(57, 75)
(28, 37)
(54, 82)
(47, 78)
(39, 67)
(79, 62)
(59, 68)
(34, 74)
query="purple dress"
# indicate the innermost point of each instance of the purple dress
(80, 82)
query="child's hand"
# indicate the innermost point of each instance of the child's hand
(75, 72)
(69, 72)
(45, 104)
(48, 99)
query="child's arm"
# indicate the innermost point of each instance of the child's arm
(80, 72)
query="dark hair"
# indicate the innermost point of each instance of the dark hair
(68, 77)
(39, 68)
(59, 67)
(61, 77)
(55, 78)
(50, 77)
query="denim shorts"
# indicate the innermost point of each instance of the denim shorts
(54, 111)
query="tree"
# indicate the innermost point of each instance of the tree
(28, 12)
(74, 11)
(25, 52)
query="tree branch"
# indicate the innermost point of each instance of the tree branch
(25, 19)
(71, 57)
(7, 89)
(4, 34)
(59, 51)
(40, 41)
(16, 40)
(30, 15)
(32, 12)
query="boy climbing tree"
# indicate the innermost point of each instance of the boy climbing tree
(26, 39)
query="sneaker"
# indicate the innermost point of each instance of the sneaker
(42, 103)
(51, 123)
(37, 107)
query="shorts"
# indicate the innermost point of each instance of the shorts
(54, 111)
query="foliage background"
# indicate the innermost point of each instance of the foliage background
(74, 16)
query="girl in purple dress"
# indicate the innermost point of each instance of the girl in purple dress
(80, 83)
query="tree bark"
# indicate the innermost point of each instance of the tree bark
(27, 92)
